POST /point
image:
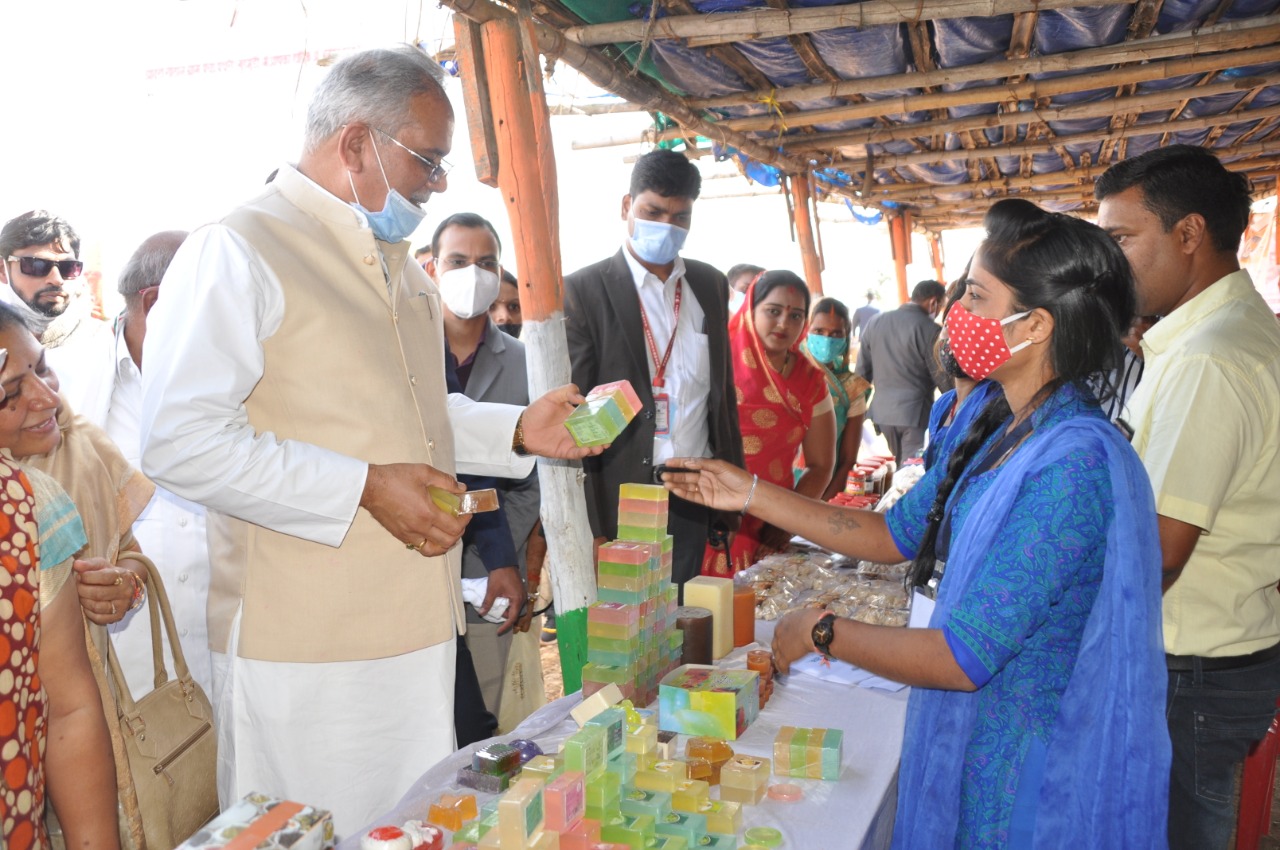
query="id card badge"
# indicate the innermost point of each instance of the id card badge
(661, 414)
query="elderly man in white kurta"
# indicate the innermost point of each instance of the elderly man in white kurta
(295, 386)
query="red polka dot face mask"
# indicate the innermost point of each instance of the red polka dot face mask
(977, 343)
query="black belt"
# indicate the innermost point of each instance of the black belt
(1188, 663)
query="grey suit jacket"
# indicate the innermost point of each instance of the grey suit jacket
(499, 374)
(606, 343)
(896, 356)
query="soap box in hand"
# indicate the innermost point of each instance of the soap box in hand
(605, 414)
(699, 700)
(259, 822)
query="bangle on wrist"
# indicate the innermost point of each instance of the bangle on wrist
(755, 479)
(139, 591)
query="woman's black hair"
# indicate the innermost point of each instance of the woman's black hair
(1074, 271)
(834, 306)
(771, 280)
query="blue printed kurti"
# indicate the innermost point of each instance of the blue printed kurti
(1017, 630)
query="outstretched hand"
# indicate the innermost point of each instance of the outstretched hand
(543, 422)
(714, 483)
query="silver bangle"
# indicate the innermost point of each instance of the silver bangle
(755, 479)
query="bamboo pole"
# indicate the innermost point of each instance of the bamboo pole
(1099, 109)
(526, 178)
(703, 30)
(1236, 35)
(804, 231)
(1026, 90)
(935, 254)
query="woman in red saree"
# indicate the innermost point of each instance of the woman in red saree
(783, 406)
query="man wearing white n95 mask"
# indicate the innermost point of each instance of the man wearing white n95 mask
(465, 265)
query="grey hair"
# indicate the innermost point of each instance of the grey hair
(148, 264)
(374, 87)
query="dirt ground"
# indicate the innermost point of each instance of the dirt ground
(552, 681)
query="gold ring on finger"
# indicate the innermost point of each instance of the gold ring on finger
(119, 581)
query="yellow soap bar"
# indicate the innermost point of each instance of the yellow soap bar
(470, 502)
(716, 595)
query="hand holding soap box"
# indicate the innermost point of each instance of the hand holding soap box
(608, 410)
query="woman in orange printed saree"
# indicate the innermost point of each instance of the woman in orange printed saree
(783, 406)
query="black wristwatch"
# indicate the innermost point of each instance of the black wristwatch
(824, 631)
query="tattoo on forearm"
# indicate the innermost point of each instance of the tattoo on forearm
(840, 521)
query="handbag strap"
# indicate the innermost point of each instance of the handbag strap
(157, 609)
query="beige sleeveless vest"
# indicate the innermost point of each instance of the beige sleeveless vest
(360, 371)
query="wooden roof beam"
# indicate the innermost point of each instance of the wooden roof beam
(1236, 35)
(701, 30)
(615, 78)
(888, 160)
(1138, 103)
(1034, 90)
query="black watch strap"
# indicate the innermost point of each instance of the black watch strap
(824, 632)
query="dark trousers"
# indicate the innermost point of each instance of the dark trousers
(688, 523)
(904, 441)
(471, 720)
(1214, 717)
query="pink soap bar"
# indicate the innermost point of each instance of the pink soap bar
(618, 613)
(625, 552)
(564, 801)
(622, 388)
(583, 835)
(641, 506)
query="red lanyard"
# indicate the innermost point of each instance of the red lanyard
(660, 366)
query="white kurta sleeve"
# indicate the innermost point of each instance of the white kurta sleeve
(482, 434)
(203, 356)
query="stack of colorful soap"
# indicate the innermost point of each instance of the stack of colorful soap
(701, 700)
(744, 779)
(492, 768)
(605, 414)
(631, 636)
(811, 753)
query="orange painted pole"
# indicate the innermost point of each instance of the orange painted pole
(935, 254)
(804, 232)
(527, 180)
(900, 244)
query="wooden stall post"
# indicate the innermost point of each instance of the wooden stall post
(526, 178)
(900, 244)
(804, 231)
(935, 254)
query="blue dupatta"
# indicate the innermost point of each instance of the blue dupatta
(1106, 780)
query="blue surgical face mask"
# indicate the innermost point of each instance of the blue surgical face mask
(656, 242)
(398, 218)
(826, 349)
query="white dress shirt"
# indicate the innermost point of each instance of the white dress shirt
(211, 366)
(688, 375)
(171, 531)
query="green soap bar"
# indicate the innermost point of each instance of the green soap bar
(626, 597)
(584, 750)
(637, 801)
(596, 422)
(641, 534)
(614, 645)
(613, 631)
(634, 584)
(765, 836)
(611, 568)
(608, 659)
(717, 841)
(686, 825)
(609, 675)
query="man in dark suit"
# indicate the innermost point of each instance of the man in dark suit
(649, 316)
(896, 356)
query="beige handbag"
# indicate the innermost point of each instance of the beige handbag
(168, 735)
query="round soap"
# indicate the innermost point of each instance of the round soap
(766, 836)
(528, 749)
(386, 838)
(786, 791)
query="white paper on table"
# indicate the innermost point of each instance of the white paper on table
(835, 670)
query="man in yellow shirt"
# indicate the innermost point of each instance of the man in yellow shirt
(1206, 421)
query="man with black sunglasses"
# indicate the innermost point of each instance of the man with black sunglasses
(39, 276)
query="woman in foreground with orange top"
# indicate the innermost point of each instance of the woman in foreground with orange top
(783, 405)
(1036, 716)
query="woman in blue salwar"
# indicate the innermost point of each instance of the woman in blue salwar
(1036, 715)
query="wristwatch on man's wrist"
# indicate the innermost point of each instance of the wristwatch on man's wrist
(824, 631)
(517, 439)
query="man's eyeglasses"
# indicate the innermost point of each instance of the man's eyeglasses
(436, 171)
(40, 267)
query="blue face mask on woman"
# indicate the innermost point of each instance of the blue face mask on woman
(826, 349)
